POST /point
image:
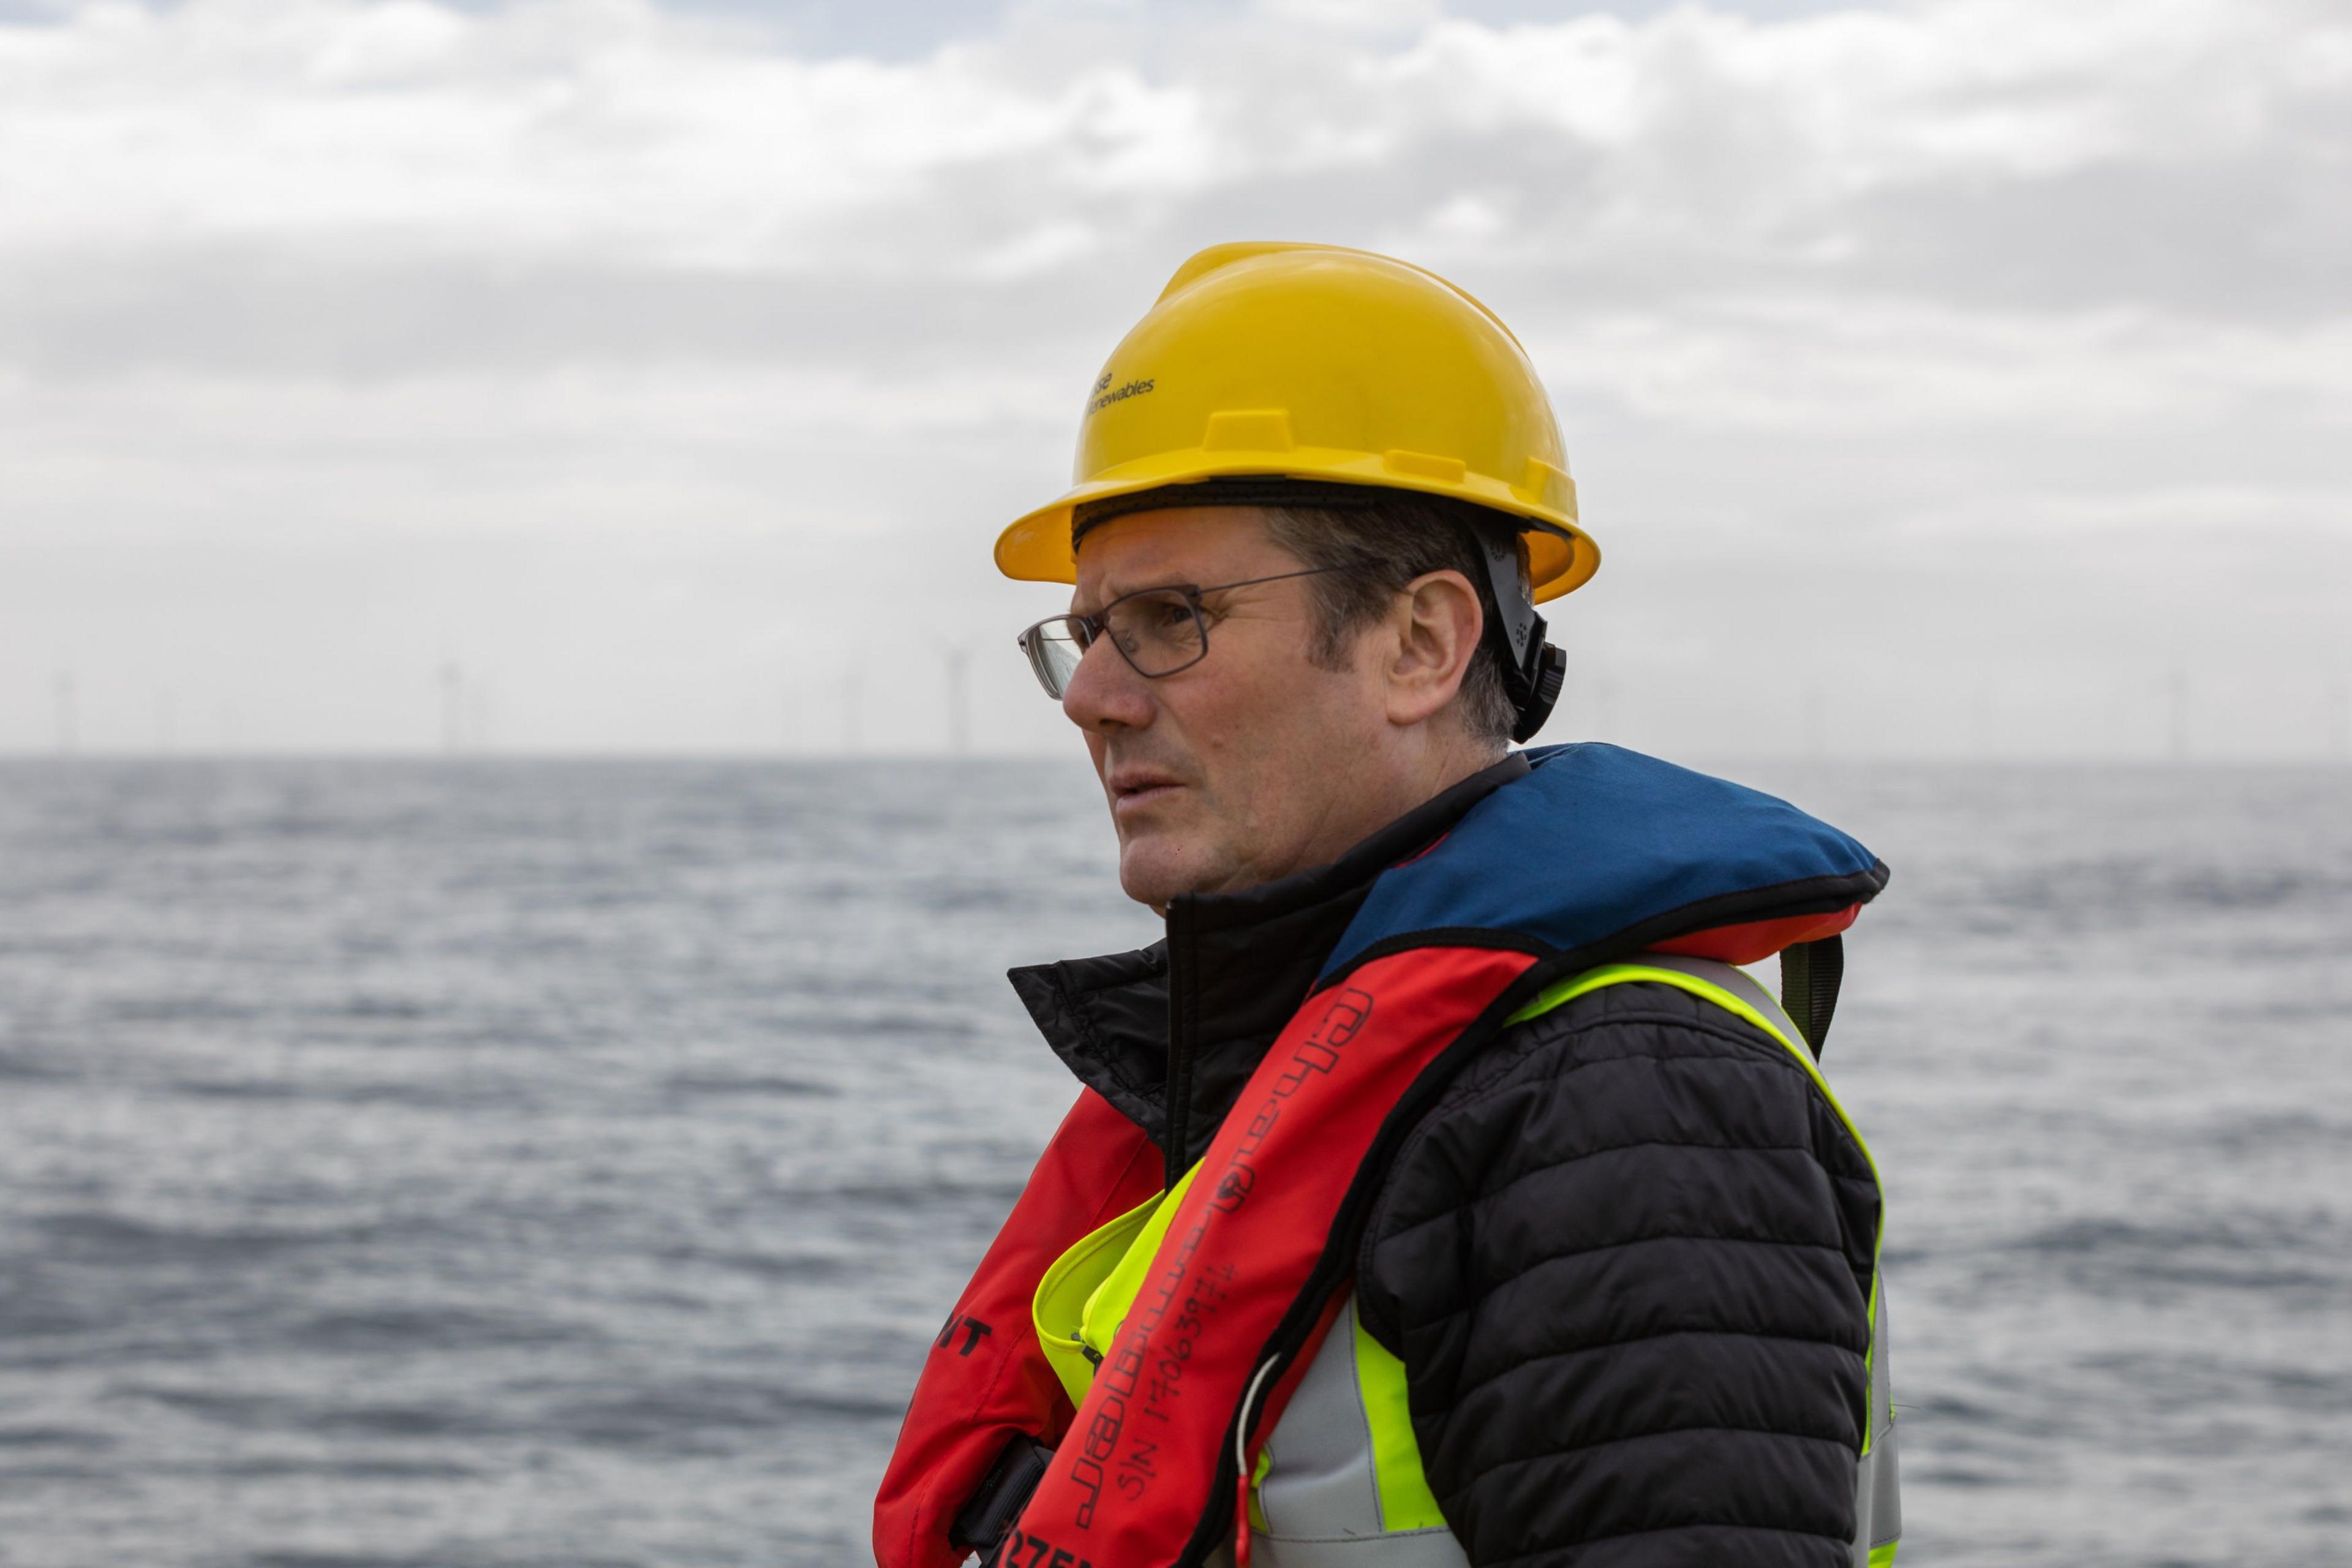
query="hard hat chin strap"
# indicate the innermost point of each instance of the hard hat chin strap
(1535, 692)
(1533, 670)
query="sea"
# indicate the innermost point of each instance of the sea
(493, 1162)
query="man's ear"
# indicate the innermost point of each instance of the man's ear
(1437, 627)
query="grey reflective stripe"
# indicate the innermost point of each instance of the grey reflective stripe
(1877, 1490)
(1736, 981)
(1434, 1548)
(1321, 1498)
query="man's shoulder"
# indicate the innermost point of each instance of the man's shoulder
(1623, 1024)
(1636, 1064)
(1638, 1112)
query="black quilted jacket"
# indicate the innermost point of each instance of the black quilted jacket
(1625, 1258)
(1627, 1261)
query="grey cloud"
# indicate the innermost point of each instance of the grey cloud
(2234, 243)
(339, 312)
(1723, 188)
(2251, 238)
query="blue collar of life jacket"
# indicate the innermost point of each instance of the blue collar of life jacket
(1579, 853)
(1602, 851)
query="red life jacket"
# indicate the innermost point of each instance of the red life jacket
(1145, 1471)
(987, 1382)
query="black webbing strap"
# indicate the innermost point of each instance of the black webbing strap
(1809, 973)
(987, 1518)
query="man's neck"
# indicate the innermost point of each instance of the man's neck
(1439, 767)
(1360, 814)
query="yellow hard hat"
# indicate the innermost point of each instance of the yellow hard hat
(1315, 363)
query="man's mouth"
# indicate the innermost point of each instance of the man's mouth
(1131, 789)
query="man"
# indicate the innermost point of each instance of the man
(1438, 1191)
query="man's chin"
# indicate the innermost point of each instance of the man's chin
(1153, 868)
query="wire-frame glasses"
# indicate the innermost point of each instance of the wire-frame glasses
(1157, 631)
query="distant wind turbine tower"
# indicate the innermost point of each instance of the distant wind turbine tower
(2178, 692)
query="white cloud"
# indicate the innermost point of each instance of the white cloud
(356, 273)
(1868, 364)
(612, 125)
(524, 133)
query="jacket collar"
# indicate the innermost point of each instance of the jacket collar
(1169, 1033)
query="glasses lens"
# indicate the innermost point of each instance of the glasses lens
(1158, 632)
(1054, 649)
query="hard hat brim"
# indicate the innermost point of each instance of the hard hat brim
(1561, 557)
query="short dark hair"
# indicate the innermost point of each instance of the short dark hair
(1378, 546)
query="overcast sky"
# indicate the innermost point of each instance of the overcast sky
(1957, 377)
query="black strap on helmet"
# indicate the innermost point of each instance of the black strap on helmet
(1533, 670)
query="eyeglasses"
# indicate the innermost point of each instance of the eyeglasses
(1157, 631)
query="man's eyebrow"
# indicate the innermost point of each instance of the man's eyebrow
(1113, 591)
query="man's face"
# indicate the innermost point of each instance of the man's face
(1237, 770)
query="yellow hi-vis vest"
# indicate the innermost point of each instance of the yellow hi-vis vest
(1338, 1483)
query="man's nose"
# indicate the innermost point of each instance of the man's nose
(1104, 693)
